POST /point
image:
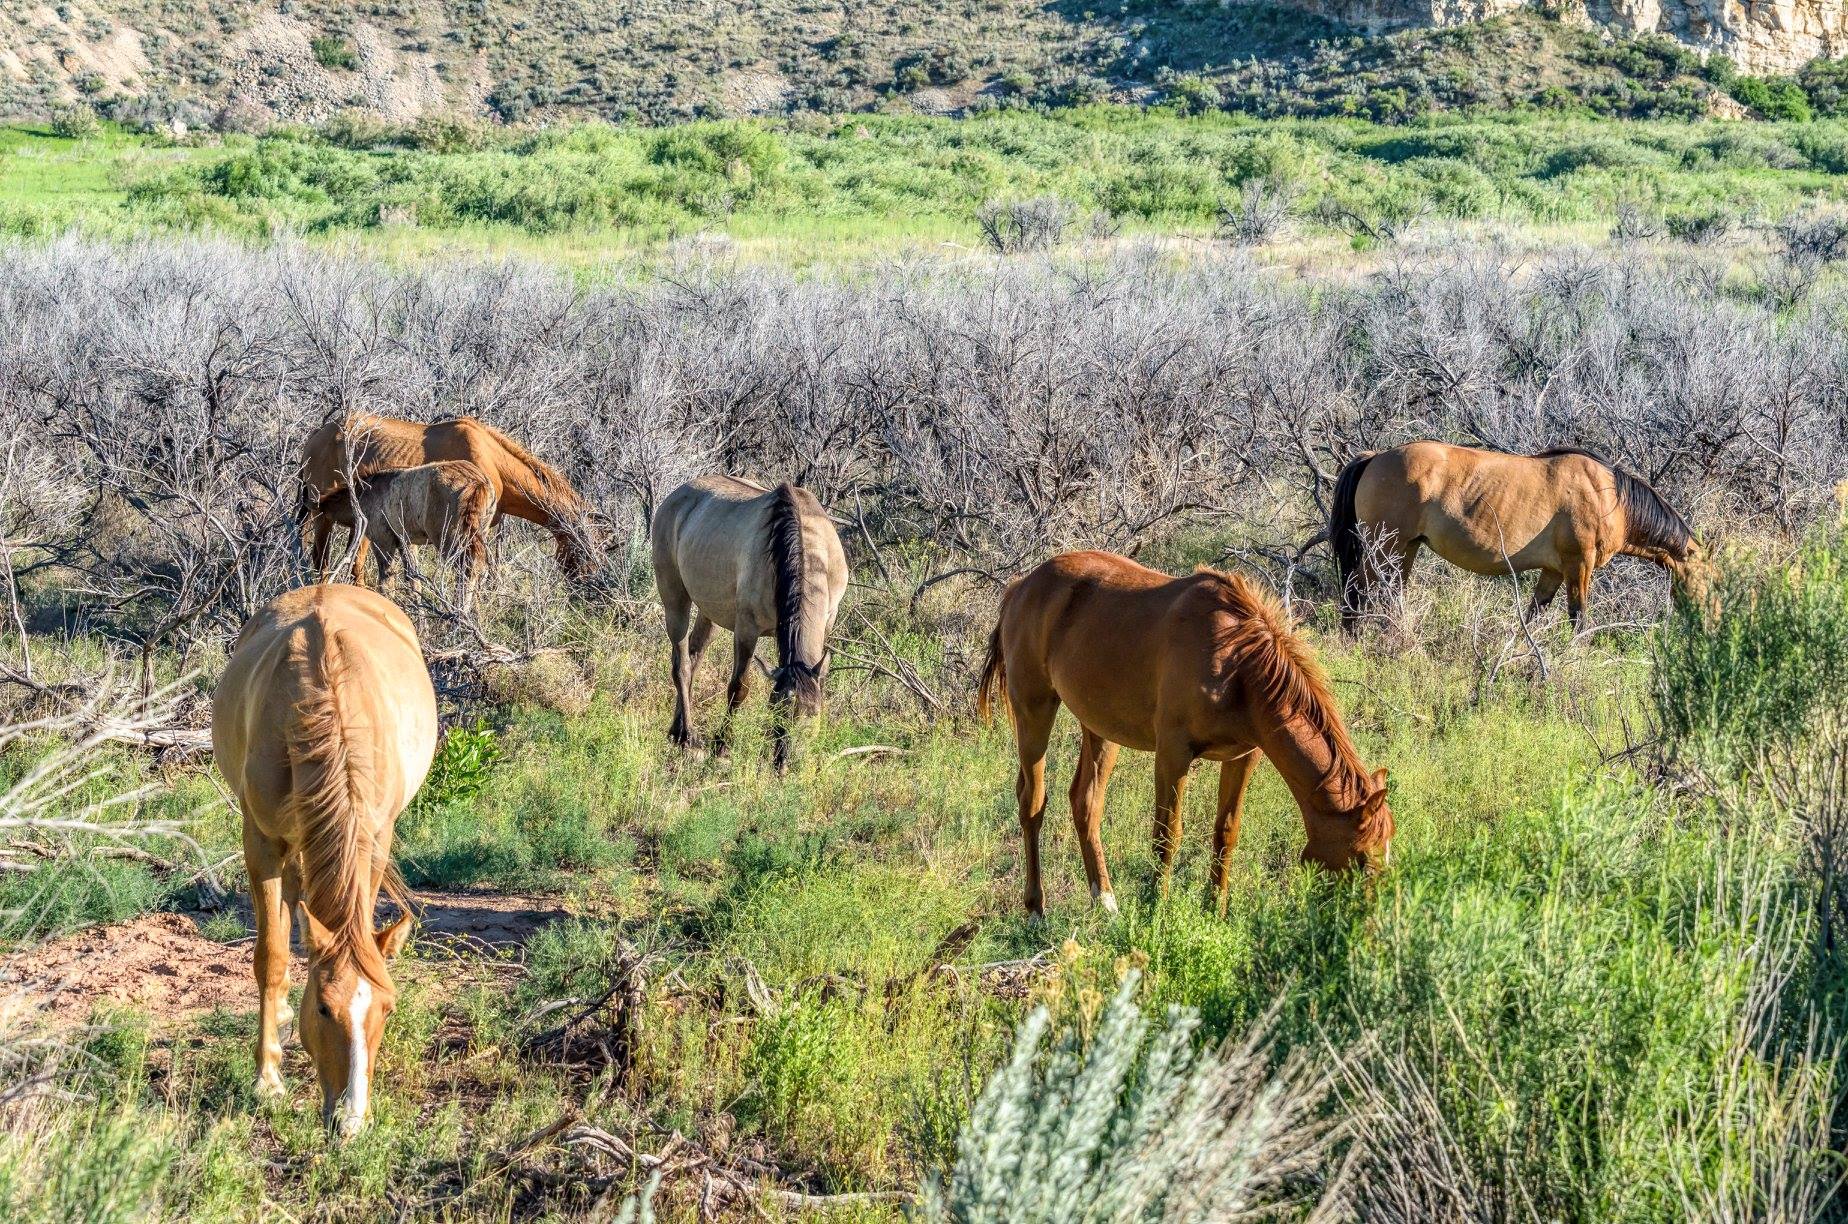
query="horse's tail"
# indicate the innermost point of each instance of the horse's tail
(993, 686)
(1344, 533)
(474, 515)
(789, 561)
(335, 783)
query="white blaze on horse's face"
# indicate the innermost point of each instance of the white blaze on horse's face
(352, 1103)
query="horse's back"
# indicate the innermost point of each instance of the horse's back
(1098, 631)
(710, 538)
(1486, 510)
(275, 691)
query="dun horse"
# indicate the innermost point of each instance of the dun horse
(1186, 668)
(324, 725)
(448, 505)
(525, 487)
(1563, 512)
(752, 560)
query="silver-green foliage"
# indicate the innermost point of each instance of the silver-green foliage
(1135, 1125)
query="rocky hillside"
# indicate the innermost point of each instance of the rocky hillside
(249, 64)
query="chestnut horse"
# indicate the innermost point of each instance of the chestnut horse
(448, 505)
(731, 553)
(324, 725)
(1187, 668)
(1563, 512)
(525, 487)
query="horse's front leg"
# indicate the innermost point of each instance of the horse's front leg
(1578, 593)
(263, 859)
(744, 649)
(1234, 777)
(1173, 758)
(1544, 591)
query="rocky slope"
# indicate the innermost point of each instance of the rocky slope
(249, 64)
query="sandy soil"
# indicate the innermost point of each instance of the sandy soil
(165, 965)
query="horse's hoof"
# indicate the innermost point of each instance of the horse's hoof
(269, 1086)
(1107, 902)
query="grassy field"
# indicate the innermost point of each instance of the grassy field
(1572, 960)
(816, 189)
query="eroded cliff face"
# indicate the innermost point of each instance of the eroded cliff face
(1759, 35)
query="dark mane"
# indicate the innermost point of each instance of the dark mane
(1654, 526)
(1284, 674)
(789, 554)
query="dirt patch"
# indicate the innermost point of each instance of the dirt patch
(166, 966)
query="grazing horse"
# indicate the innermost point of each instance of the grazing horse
(324, 725)
(754, 561)
(1563, 512)
(448, 505)
(525, 487)
(1186, 668)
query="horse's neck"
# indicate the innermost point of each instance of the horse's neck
(1314, 771)
(526, 495)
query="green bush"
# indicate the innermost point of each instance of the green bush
(332, 52)
(75, 122)
(463, 762)
(1776, 98)
(1752, 669)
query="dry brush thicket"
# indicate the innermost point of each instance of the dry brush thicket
(966, 418)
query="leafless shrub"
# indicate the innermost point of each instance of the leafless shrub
(1038, 224)
(1263, 212)
(993, 412)
(1382, 224)
(1634, 225)
(1814, 238)
(1700, 226)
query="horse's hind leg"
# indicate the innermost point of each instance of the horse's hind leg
(1033, 716)
(263, 857)
(679, 608)
(1096, 759)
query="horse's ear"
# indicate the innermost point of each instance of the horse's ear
(392, 939)
(317, 936)
(1379, 783)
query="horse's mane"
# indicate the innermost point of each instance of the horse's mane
(335, 772)
(789, 554)
(552, 482)
(1653, 523)
(1279, 668)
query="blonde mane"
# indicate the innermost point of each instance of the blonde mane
(1280, 670)
(336, 784)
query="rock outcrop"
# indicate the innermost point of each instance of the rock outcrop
(1761, 36)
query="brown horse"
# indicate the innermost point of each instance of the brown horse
(1563, 512)
(1186, 668)
(324, 725)
(754, 561)
(525, 487)
(448, 505)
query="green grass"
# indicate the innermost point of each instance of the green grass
(813, 188)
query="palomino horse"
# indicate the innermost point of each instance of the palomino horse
(754, 561)
(448, 505)
(1201, 666)
(1563, 512)
(525, 487)
(324, 725)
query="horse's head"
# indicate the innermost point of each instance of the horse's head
(795, 687)
(343, 1018)
(798, 685)
(1693, 573)
(581, 545)
(1358, 837)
